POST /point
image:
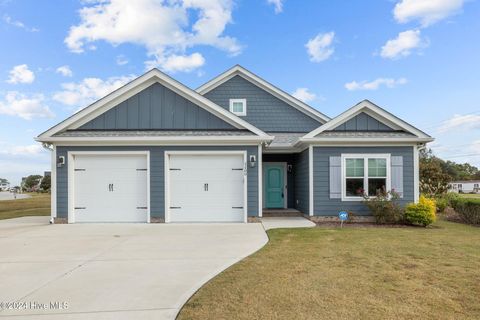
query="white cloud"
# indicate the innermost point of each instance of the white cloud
(461, 122)
(21, 74)
(426, 11)
(320, 48)
(176, 63)
(16, 104)
(304, 95)
(30, 150)
(403, 44)
(121, 60)
(18, 24)
(164, 28)
(277, 4)
(88, 90)
(65, 71)
(375, 84)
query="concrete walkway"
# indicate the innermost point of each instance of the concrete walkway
(113, 271)
(286, 222)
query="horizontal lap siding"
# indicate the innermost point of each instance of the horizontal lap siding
(301, 182)
(264, 110)
(157, 175)
(324, 206)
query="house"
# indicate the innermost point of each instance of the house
(468, 186)
(4, 186)
(157, 151)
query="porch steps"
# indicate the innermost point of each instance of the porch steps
(282, 213)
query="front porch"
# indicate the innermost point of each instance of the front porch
(285, 184)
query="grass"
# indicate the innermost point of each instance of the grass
(37, 205)
(351, 273)
(470, 195)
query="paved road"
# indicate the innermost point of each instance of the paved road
(9, 196)
(114, 271)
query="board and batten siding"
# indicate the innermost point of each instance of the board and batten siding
(264, 111)
(157, 174)
(363, 122)
(325, 205)
(301, 182)
(156, 107)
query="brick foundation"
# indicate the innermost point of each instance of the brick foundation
(156, 220)
(253, 219)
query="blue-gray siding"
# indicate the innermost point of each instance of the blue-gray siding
(325, 206)
(363, 122)
(265, 111)
(157, 176)
(302, 186)
(156, 107)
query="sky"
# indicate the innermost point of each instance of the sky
(419, 59)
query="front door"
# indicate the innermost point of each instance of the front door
(274, 185)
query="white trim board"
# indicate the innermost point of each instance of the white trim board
(71, 174)
(372, 110)
(311, 206)
(261, 83)
(134, 87)
(260, 180)
(161, 139)
(53, 185)
(166, 161)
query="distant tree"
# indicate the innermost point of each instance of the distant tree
(32, 181)
(46, 183)
(3, 180)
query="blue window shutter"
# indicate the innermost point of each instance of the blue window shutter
(335, 177)
(397, 174)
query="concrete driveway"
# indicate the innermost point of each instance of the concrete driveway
(113, 271)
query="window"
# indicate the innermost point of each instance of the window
(238, 107)
(475, 185)
(459, 186)
(364, 175)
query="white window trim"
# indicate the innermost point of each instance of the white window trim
(244, 102)
(365, 173)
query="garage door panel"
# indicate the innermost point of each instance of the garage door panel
(206, 188)
(109, 188)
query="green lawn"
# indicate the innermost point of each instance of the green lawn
(470, 195)
(37, 205)
(351, 273)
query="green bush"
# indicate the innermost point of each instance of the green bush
(451, 198)
(385, 207)
(442, 204)
(468, 209)
(421, 213)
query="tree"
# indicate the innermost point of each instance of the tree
(32, 181)
(3, 180)
(46, 183)
(433, 179)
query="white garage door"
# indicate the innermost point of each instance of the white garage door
(206, 188)
(110, 188)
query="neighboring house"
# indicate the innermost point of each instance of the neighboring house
(158, 151)
(467, 186)
(4, 186)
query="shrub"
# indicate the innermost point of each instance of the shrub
(385, 207)
(442, 204)
(421, 213)
(468, 209)
(451, 198)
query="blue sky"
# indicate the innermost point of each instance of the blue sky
(417, 58)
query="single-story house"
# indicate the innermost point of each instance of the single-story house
(157, 151)
(466, 186)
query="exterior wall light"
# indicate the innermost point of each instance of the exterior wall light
(253, 159)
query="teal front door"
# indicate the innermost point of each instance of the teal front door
(274, 185)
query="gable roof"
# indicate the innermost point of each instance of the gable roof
(238, 70)
(380, 114)
(111, 100)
